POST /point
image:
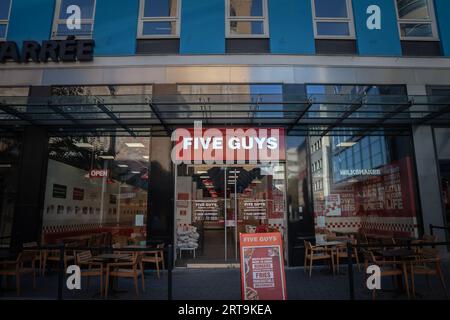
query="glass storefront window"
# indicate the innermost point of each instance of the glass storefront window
(10, 150)
(96, 185)
(442, 138)
(366, 183)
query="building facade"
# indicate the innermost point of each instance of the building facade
(92, 91)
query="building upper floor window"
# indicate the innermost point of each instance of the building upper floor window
(333, 19)
(416, 19)
(5, 9)
(159, 19)
(74, 18)
(247, 19)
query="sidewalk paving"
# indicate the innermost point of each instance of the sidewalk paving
(224, 284)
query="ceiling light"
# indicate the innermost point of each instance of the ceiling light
(346, 144)
(146, 157)
(135, 172)
(204, 177)
(122, 165)
(134, 145)
(83, 145)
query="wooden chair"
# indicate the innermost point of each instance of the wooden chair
(361, 238)
(427, 263)
(317, 253)
(34, 247)
(388, 243)
(155, 256)
(388, 269)
(129, 254)
(341, 253)
(330, 236)
(17, 268)
(54, 256)
(132, 269)
(120, 241)
(84, 258)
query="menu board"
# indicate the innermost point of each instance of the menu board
(254, 209)
(262, 266)
(206, 210)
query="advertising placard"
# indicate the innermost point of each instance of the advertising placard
(262, 266)
(254, 208)
(206, 209)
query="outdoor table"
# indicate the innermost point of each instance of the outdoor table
(332, 245)
(397, 253)
(75, 241)
(106, 258)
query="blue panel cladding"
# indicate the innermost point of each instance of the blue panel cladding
(291, 27)
(202, 27)
(383, 42)
(31, 20)
(115, 27)
(442, 8)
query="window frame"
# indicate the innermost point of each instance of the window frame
(57, 21)
(143, 19)
(350, 21)
(6, 21)
(264, 18)
(431, 21)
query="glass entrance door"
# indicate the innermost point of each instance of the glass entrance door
(231, 217)
(214, 204)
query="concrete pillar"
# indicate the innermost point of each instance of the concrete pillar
(428, 178)
(427, 172)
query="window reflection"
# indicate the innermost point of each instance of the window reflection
(241, 92)
(246, 18)
(10, 150)
(96, 185)
(362, 182)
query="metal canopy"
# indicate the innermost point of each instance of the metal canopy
(138, 115)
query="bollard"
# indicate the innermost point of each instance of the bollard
(169, 274)
(350, 270)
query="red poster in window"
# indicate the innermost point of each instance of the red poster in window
(262, 267)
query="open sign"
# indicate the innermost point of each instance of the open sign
(98, 173)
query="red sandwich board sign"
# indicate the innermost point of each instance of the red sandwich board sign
(262, 266)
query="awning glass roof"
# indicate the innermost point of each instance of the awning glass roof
(299, 114)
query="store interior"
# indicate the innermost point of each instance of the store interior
(216, 203)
